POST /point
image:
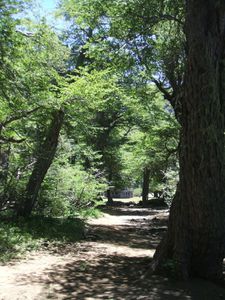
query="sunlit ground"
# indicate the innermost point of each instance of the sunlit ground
(108, 264)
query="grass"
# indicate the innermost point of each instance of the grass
(90, 213)
(19, 236)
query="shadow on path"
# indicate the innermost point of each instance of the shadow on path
(111, 277)
(109, 264)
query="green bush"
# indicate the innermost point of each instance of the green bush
(69, 189)
(137, 192)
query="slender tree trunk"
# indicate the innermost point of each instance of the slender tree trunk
(195, 240)
(145, 185)
(44, 161)
(4, 174)
(4, 164)
(109, 191)
(109, 196)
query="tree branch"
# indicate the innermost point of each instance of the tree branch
(162, 89)
(18, 117)
(162, 17)
(10, 140)
(27, 34)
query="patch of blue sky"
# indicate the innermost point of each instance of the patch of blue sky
(48, 5)
(46, 9)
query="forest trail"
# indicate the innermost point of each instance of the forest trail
(106, 265)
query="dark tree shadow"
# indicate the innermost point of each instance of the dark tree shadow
(118, 276)
(131, 236)
(111, 277)
(130, 209)
(139, 232)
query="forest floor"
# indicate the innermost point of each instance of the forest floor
(107, 264)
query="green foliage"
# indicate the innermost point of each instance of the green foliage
(32, 58)
(103, 110)
(19, 236)
(69, 189)
(137, 192)
(116, 122)
(153, 143)
(14, 242)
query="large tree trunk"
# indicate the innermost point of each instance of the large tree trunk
(145, 184)
(44, 161)
(194, 244)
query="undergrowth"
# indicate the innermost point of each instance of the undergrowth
(90, 213)
(17, 236)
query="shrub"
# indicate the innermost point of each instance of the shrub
(69, 189)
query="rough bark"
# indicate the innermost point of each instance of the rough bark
(194, 244)
(145, 185)
(44, 161)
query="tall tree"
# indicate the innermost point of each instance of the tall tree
(196, 236)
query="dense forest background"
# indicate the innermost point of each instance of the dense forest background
(81, 114)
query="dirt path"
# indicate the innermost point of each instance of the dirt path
(107, 265)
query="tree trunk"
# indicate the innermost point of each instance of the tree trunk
(44, 161)
(194, 244)
(109, 196)
(4, 164)
(4, 174)
(145, 185)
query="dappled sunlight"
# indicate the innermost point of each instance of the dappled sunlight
(131, 227)
(107, 264)
(105, 277)
(125, 236)
(115, 249)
